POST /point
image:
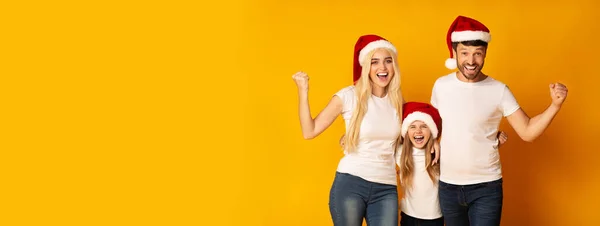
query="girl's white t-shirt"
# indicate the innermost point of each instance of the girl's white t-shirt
(421, 201)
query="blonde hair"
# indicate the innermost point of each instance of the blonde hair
(406, 164)
(363, 91)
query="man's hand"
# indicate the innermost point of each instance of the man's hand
(558, 92)
(502, 138)
(435, 149)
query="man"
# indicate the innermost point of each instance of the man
(472, 105)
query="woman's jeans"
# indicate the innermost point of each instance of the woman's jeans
(352, 198)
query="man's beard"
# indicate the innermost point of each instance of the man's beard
(472, 74)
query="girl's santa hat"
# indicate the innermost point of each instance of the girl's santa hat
(426, 113)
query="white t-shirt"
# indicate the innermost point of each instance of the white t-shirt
(421, 201)
(471, 114)
(373, 159)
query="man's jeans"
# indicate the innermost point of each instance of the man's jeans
(475, 204)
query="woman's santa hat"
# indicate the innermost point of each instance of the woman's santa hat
(465, 29)
(363, 46)
(416, 111)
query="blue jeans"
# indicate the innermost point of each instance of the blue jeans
(406, 220)
(476, 204)
(352, 198)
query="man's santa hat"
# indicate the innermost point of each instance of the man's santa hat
(416, 111)
(465, 29)
(363, 46)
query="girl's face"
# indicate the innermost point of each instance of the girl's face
(419, 134)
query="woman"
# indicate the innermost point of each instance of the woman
(365, 185)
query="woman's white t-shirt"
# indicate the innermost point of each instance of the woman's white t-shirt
(373, 159)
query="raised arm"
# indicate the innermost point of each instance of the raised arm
(311, 128)
(531, 128)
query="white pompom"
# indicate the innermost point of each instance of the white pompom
(451, 63)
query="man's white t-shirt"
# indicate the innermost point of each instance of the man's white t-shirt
(471, 114)
(373, 159)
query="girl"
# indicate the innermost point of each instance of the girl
(421, 126)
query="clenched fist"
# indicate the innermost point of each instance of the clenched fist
(301, 80)
(558, 92)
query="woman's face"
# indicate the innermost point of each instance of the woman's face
(382, 68)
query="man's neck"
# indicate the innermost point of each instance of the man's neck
(480, 77)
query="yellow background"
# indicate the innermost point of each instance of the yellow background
(185, 113)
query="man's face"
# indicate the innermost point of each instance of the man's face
(469, 60)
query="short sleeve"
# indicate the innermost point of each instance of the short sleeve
(508, 104)
(433, 100)
(347, 96)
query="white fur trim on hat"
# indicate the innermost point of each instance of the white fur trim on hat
(451, 63)
(460, 36)
(420, 116)
(374, 45)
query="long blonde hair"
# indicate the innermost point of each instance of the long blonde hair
(407, 164)
(363, 91)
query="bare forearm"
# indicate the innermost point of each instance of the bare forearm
(538, 124)
(530, 129)
(306, 121)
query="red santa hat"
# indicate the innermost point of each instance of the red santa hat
(465, 29)
(426, 113)
(363, 46)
